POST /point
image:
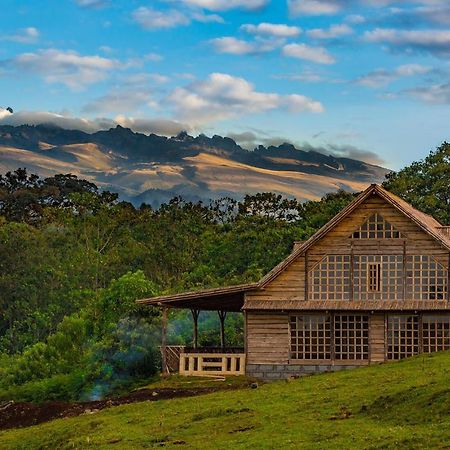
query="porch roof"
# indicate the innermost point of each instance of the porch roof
(229, 298)
(347, 305)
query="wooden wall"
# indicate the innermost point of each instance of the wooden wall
(267, 338)
(290, 284)
(377, 336)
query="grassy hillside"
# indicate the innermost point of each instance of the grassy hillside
(399, 405)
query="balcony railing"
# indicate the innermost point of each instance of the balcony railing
(212, 364)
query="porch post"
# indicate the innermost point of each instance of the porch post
(195, 314)
(165, 368)
(222, 317)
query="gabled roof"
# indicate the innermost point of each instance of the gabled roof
(429, 224)
(231, 298)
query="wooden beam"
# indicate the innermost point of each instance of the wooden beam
(165, 368)
(405, 278)
(222, 317)
(195, 314)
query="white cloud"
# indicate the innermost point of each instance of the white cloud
(92, 3)
(119, 101)
(436, 94)
(28, 35)
(314, 7)
(355, 19)
(152, 56)
(382, 77)
(234, 46)
(207, 18)
(334, 31)
(152, 19)
(315, 54)
(223, 96)
(433, 41)
(66, 67)
(225, 5)
(162, 126)
(272, 29)
(4, 113)
(165, 127)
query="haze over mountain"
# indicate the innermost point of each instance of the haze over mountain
(153, 169)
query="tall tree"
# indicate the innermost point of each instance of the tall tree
(425, 183)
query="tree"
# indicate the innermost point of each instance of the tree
(425, 183)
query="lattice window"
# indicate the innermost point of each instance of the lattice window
(376, 228)
(435, 333)
(378, 277)
(374, 277)
(310, 337)
(330, 279)
(403, 336)
(351, 337)
(426, 278)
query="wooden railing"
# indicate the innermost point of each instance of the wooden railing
(212, 364)
(172, 358)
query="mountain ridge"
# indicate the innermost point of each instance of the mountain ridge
(199, 168)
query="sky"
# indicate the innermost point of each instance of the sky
(368, 79)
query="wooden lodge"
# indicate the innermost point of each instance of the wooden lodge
(370, 286)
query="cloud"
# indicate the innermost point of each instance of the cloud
(334, 31)
(4, 113)
(355, 19)
(314, 7)
(234, 46)
(272, 29)
(382, 77)
(223, 96)
(92, 3)
(152, 56)
(225, 5)
(318, 55)
(207, 18)
(251, 140)
(165, 127)
(353, 152)
(432, 41)
(133, 91)
(66, 67)
(28, 35)
(438, 94)
(161, 126)
(152, 19)
(308, 75)
(345, 151)
(119, 101)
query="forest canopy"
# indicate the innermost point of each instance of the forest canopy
(74, 258)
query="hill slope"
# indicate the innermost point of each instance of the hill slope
(398, 405)
(155, 168)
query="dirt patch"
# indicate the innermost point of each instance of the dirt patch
(21, 414)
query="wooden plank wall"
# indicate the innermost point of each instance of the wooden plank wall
(377, 338)
(291, 283)
(267, 338)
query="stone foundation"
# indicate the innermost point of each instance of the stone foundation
(283, 371)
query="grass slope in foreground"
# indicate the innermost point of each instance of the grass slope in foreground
(398, 405)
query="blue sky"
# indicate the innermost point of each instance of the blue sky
(363, 78)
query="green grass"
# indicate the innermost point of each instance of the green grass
(404, 405)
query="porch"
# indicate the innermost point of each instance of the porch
(202, 361)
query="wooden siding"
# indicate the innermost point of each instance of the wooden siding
(377, 338)
(267, 338)
(290, 284)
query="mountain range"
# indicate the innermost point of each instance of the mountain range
(153, 169)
